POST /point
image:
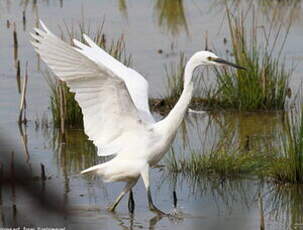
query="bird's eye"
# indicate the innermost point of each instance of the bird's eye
(209, 58)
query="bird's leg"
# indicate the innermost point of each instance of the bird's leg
(175, 198)
(131, 202)
(127, 187)
(151, 205)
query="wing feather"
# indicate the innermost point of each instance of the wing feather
(99, 83)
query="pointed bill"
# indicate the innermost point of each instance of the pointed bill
(224, 62)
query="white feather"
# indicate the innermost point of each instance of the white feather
(113, 97)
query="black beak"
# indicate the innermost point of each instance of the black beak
(224, 62)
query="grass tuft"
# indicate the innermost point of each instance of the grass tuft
(222, 161)
(265, 84)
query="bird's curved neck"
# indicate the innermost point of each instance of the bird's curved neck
(174, 119)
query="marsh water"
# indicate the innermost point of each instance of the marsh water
(155, 32)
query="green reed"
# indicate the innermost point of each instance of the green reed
(222, 161)
(265, 84)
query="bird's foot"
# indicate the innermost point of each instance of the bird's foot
(154, 209)
(111, 208)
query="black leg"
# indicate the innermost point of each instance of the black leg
(175, 199)
(127, 187)
(131, 202)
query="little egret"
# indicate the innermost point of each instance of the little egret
(114, 103)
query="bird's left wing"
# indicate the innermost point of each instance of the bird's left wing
(135, 83)
(108, 109)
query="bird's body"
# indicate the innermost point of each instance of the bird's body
(114, 103)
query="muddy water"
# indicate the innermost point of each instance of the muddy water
(148, 26)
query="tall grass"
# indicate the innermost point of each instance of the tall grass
(174, 78)
(265, 84)
(65, 110)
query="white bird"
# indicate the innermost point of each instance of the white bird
(114, 103)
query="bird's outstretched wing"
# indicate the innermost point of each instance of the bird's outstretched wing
(113, 97)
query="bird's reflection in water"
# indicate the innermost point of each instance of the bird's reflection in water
(130, 222)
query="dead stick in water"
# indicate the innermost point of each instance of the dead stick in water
(24, 20)
(18, 76)
(62, 111)
(15, 37)
(23, 100)
(1, 181)
(262, 222)
(13, 166)
(43, 176)
(1, 176)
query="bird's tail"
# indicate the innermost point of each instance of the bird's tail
(93, 169)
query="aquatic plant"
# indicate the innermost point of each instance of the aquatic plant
(265, 84)
(65, 110)
(174, 79)
(224, 160)
(263, 87)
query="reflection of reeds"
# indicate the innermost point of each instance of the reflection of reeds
(123, 7)
(77, 153)
(65, 110)
(288, 167)
(286, 204)
(264, 85)
(227, 194)
(171, 15)
(22, 108)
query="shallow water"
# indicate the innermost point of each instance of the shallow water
(147, 26)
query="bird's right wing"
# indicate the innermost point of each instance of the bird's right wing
(108, 109)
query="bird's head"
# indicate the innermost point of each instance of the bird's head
(209, 58)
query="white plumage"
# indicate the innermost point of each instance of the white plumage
(114, 103)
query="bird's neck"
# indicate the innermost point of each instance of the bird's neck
(175, 117)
